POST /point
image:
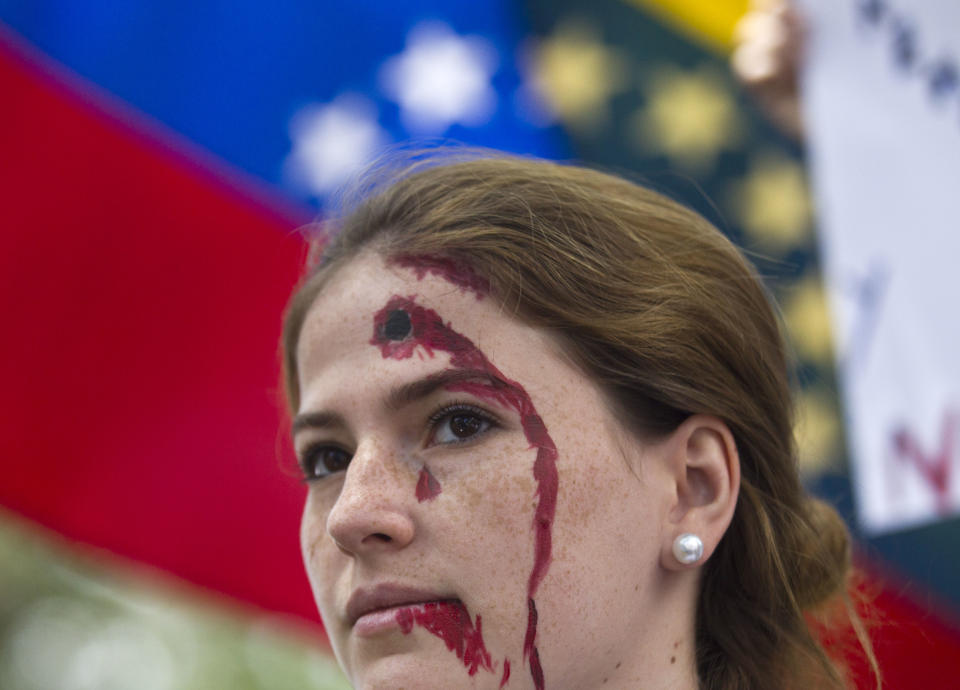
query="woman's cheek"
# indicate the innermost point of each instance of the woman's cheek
(487, 531)
(316, 546)
(492, 489)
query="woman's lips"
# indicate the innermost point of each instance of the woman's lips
(373, 610)
(380, 620)
(377, 621)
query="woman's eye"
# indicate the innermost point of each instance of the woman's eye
(321, 461)
(458, 426)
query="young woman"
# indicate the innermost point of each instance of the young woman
(545, 420)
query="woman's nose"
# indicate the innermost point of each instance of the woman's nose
(372, 511)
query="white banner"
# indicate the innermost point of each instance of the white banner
(882, 100)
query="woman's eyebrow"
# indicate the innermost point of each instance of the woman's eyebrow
(316, 420)
(413, 391)
(401, 396)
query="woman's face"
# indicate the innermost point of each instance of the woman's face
(475, 515)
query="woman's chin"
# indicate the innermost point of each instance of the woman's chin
(417, 669)
(430, 645)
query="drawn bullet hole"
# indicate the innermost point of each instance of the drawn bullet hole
(397, 326)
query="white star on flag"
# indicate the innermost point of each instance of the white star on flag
(332, 142)
(441, 79)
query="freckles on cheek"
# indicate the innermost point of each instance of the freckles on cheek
(402, 326)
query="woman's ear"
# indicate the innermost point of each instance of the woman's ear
(704, 469)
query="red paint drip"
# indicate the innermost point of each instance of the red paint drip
(934, 468)
(536, 671)
(506, 673)
(429, 332)
(453, 271)
(531, 635)
(428, 488)
(450, 621)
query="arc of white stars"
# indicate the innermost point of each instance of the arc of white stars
(441, 79)
(332, 142)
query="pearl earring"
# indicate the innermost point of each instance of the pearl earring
(688, 548)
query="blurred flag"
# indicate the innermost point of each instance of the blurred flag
(157, 157)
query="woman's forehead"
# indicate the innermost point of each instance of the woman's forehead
(370, 275)
(346, 322)
(362, 286)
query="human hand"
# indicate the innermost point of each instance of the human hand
(769, 42)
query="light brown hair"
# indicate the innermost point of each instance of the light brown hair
(660, 309)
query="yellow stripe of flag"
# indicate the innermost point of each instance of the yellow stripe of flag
(709, 22)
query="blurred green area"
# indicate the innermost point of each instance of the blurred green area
(70, 620)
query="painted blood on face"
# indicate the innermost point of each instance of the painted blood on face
(397, 326)
(428, 488)
(431, 334)
(456, 272)
(450, 621)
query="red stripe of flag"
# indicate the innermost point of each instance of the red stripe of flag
(140, 302)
